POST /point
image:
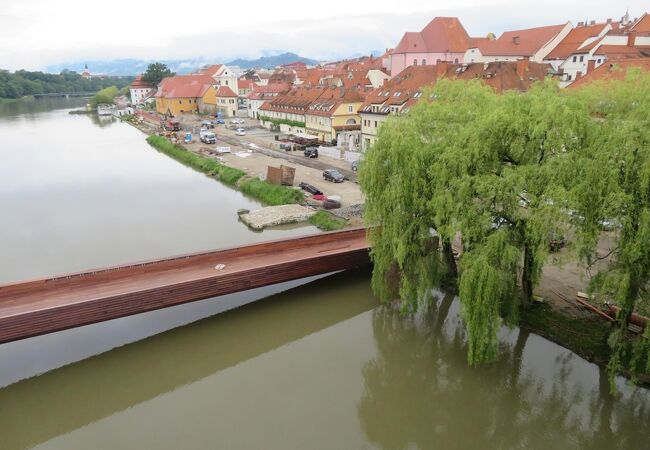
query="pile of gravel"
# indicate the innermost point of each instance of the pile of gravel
(349, 212)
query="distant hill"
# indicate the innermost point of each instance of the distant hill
(269, 62)
(129, 66)
(118, 67)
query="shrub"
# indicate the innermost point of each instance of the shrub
(271, 194)
(326, 221)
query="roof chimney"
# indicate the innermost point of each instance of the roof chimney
(515, 40)
(591, 65)
(630, 39)
(522, 66)
(593, 22)
(441, 68)
(609, 20)
(581, 24)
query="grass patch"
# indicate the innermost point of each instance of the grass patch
(271, 194)
(326, 221)
(585, 336)
(225, 174)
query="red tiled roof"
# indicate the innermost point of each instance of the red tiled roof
(441, 35)
(572, 41)
(243, 83)
(642, 25)
(520, 42)
(403, 90)
(623, 51)
(139, 83)
(332, 98)
(611, 71)
(225, 91)
(184, 86)
(211, 70)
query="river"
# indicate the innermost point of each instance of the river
(312, 366)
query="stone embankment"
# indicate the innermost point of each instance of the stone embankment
(276, 215)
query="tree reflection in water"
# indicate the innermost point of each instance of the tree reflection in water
(420, 392)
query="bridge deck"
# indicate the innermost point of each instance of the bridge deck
(42, 306)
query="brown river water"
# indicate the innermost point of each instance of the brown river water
(312, 364)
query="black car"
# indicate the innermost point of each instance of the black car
(333, 175)
(311, 152)
(310, 188)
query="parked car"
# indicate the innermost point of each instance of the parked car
(310, 188)
(207, 124)
(355, 165)
(237, 121)
(311, 152)
(219, 121)
(240, 132)
(333, 175)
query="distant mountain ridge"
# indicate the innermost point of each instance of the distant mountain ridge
(269, 62)
(128, 66)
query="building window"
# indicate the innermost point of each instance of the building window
(599, 60)
(575, 58)
(180, 102)
(424, 62)
(456, 61)
(568, 78)
(375, 124)
(582, 58)
(350, 108)
(415, 62)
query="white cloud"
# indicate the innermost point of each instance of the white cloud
(35, 33)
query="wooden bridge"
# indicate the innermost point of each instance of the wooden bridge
(47, 305)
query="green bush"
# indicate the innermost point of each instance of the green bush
(225, 174)
(277, 122)
(271, 194)
(326, 221)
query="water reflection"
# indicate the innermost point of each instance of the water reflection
(420, 393)
(69, 398)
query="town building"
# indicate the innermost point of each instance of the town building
(245, 87)
(183, 94)
(443, 39)
(399, 93)
(333, 117)
(140, 90)
(612, 71)
(532, 43)
(261, 94)
(226, 101)
(580, 36)
(288, 110)
(618, 43)
(222, 76)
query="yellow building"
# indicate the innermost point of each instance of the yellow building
(185, 94)
(333, 116)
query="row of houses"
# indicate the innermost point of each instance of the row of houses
(571, 51)
(345, 102)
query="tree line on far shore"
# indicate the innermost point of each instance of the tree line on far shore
(514, 175)
(23, 83)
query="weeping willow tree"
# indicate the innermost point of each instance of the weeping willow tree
(406, 176)
(489, 168)
(614, 191)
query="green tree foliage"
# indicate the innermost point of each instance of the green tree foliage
(490, 168)
(23, 83)
(156, 72)
(105, 96)
(614, 188)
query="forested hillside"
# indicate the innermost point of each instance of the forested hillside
(21, 83)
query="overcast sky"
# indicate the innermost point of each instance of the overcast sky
(36, 33)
